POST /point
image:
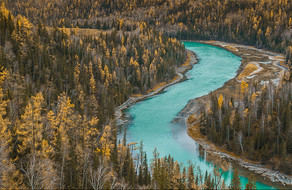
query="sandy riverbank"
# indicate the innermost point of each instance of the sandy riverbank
(191, 60)
(257, 66)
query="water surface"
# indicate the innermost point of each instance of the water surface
(151, 118)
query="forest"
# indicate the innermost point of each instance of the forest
(261, 23)
(58, 94)
(257, 125)
(59, 89)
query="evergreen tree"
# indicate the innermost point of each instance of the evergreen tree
(251, 185)
(191, 176)
(235, 182)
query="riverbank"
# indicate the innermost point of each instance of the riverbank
(257, 66)
(180, 71)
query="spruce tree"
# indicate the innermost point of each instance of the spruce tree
(191, 176)
(235, 182)
(147, 176)
(251, 185)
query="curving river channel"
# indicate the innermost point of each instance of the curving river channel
(151, 119)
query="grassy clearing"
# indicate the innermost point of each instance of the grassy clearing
(250, 68)
(278, 57)
(231, 48)
(191, 119)
(137, 95)
(283, 64)
(85, 31)
(281, 54)
(156, 87)
(175, 78)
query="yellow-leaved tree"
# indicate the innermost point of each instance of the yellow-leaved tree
(65, 121)
(34, 149)
(30, 131)
(5, 135)
(105, 143)
(8, 172)
(93, 92)
(220, 103)
(243, 87)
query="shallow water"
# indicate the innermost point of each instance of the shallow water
(151, 119)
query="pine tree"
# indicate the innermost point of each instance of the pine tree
(191, 176)
(235, 182)
(251, 185)
(141, 159)
(147, 176)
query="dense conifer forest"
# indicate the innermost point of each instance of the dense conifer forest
(59, 89)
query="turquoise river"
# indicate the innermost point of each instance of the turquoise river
(151, 119)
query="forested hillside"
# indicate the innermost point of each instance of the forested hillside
(58, 94)
(262, 23)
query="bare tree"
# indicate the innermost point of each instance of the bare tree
(240, 140)
(84, 169)
(122, 185)
(98, 177)
(279, 127)
(4, 164)
(50, 176)
(263, 117)
(39, 173)
(271, 94)
(114, 183)
(242, 113)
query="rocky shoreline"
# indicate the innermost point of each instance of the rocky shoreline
(270, 68)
